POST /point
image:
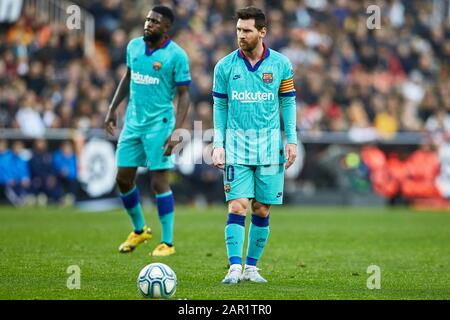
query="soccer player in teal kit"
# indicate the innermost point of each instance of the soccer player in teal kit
(157, 70)
(250, 85)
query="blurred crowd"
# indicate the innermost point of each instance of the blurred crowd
(37, 176)
(348, 77)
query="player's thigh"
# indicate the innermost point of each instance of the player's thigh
(154, 149)
(130, 151)
(269, 184)
(239, 182)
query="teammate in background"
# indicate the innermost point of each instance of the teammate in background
(157, 69)
(250, 84)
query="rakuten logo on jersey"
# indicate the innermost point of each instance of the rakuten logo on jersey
(143, 79)
(252, 97)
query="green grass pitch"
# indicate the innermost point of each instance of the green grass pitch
(312, 253)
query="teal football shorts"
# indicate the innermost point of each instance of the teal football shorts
(263, 183)
(136, 149)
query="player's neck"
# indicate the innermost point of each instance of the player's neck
(156, 44)
(255, 55)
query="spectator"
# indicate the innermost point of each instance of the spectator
(35, 79)
(20, 178)
(438, 126)
(108, 14)
(118, 48)
(65, 166)
(5, 166)
(360, 128)
(45, 184)
(28, 117)
(385, 117)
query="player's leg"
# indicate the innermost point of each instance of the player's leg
(269, 191)
(129, 194)
(239, 187)
(160, 165)
(235, 237)
(257, 239)
(130, 155)
(166, 213)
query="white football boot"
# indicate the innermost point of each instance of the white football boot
(234, 274)
(251, 274)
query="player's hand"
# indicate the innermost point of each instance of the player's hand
(170, 143)
(218, 158)
(291, 154)
(110, 122)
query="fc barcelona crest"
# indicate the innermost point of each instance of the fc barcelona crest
(157, 65)
(267, 77)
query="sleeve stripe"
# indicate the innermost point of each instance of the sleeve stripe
(219, 95)
(286, 87)
(183, 83)
(287, 90)
(287, 94)
(287, 81)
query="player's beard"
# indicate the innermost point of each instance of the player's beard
(249, 46)
(153, 37)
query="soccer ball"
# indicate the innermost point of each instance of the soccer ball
(157, 280)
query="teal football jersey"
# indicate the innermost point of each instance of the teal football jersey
(253, 96)
(155, 74)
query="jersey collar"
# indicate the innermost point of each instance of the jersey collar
(164, 44)
(264, 56)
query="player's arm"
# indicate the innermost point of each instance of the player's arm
(184, 101)
(121, 93)
(289, 112)
(182, 78)
(220, 116)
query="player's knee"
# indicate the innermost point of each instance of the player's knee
(159, 186)
(260, 209)
(238, 206)
(124, 182)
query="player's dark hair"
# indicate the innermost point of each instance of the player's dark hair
(253, 13)
(166, 12)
